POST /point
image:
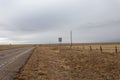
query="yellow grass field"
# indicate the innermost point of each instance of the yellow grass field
(52, 62)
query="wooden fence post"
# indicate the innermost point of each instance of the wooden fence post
(83, 47)
(101, 50)
(116, 49)
(90, 48)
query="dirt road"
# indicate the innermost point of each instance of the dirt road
(12, 60)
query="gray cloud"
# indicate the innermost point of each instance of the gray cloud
(32, 21)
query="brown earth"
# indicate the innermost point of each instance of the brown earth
(50, 63)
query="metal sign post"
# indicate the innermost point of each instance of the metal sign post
(60, 41)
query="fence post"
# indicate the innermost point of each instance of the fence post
(116, 49)
(83, 47)
(101, 50)
(90, 48)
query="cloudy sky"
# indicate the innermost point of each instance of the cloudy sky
(43, 21)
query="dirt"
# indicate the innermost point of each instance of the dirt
(50, 63)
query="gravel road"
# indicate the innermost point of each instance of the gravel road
(12, 60)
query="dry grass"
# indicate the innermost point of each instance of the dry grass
(50, 63)
(6, 47)
(105, 47)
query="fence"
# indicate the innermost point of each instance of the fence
(100, 48)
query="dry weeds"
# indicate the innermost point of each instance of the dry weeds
(49, 63)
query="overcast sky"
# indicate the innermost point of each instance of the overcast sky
(43, 21)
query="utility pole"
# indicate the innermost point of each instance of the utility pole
(70, 39)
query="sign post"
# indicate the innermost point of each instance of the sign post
(60, 41)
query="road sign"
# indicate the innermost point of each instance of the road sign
(60, 39)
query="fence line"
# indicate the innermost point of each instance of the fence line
(100, 48)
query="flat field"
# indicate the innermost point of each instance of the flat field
(81, 62)
(7, 47)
